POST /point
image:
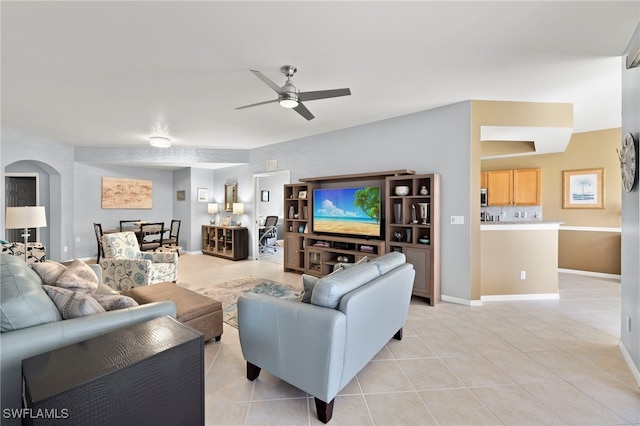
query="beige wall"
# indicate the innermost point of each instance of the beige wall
(506, 253)
(585, 150)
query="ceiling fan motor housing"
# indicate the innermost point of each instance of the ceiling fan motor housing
(289, 92)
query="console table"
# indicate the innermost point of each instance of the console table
(147, 373)
(229, 242)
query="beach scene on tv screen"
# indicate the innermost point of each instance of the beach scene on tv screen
(347, 211)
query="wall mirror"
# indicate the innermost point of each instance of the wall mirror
(230, 196)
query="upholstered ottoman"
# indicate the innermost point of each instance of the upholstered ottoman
(200, 312)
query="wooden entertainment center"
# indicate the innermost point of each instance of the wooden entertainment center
(410, 224)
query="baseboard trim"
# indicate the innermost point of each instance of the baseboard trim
(460, 301)
(627, 358)
(590, 273)
(515, 297)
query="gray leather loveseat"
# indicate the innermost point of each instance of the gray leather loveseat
(320, 346)
(31, 325)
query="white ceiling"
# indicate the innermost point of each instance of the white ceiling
(102, 73)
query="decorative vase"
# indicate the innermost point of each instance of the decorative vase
(414, 219)
(424, 212)
(397, 212)
(402, 190)
(424, 190)
(292, 212)
(408, 235)
(398, 236)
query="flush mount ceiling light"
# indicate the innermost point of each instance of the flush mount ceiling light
(159, 141)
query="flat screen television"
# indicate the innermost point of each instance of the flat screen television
(352, 211)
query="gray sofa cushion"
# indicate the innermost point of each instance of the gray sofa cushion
(24, 303)
(389, 261)
(329, 290)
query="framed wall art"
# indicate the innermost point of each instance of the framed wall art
(230, 196)
(180, 195)
(202, 195)
(583, 189)
(121, 193)
(264, 196)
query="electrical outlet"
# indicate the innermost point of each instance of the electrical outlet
(517, 214)
(64, 249)
(524, 214)
(523, 275)
(77, 239)
(457, 220)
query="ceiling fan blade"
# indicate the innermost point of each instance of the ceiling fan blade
(267, 81)
(259, 103)
(323, 94)
(303, 111)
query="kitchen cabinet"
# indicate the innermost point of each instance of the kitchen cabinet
(483, 179)
(520, 187)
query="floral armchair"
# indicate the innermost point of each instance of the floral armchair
(124, 266)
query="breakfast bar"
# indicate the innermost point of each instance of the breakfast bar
(519, 260)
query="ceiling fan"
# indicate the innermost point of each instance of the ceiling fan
(290, 97)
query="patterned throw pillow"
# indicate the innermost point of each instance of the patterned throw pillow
(111, 302)
(48, 271)
(79, 277)
(72, 304)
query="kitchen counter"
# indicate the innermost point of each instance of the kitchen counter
(521, 225)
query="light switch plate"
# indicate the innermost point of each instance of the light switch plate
(457, 220)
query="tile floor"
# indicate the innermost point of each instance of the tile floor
(514, 363)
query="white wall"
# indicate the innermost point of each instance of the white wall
(630, 288)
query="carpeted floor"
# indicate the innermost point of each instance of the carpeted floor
(228, 292)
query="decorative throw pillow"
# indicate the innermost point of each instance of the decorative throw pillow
(308, 282)
(72, 304)
(79, 277)
(49, 271)
(111, 302)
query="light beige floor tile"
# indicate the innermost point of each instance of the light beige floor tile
(267, 387)
(527, 322)
(458, 407)
(621, 397)
(526, 341)
(409, 347)
(225, 413)
(347, 411)
(571, 404)
(227, 386)
(383, 376)
(608, 359)
(428, 326)
(211, 350)
(448, 345)
(567, 366)
(513, 406)
(405, 408)
(521, 369)
(429, 373)
(279, 412)
(351, 388)
(497, 323)
(229, 358)
(475, 370)
(384, 353)
(488, 344)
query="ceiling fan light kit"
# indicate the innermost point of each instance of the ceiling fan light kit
(290, 97)
(159, 141)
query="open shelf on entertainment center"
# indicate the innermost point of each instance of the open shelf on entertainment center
(324, 251)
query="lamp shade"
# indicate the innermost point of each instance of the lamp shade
(25, 217)
(212, 208)
(238, 208)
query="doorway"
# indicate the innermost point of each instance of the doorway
(21, 189)
(268, 200)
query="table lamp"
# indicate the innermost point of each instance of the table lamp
(238, 209)
(25, 218)
(212, 209)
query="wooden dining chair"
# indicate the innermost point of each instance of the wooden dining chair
(150, 236)
(128, 225)
(97, 228)
(174, 235)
